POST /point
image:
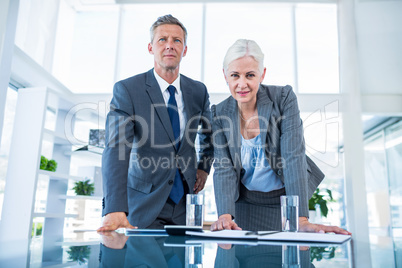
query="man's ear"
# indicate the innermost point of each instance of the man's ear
(185, 51)
(150, 49)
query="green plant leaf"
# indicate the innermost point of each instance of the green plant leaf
(51, 165)
(43, 162)
(321, 200)
(79, 254)
(323, 208)
(84, 188)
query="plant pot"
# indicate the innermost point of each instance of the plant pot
(312, 214)
(315, 215)
(80, 209)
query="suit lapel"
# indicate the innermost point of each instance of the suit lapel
(232, 130)
(154, 93)
(187, 97)
(186, 89)
(264, 106)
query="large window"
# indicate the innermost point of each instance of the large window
(383, 155)
(99, 45)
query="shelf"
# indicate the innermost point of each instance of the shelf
(54, 215)
(59, 176)
(82, 197)
(57, 138)
(95, 154)
(60, 265)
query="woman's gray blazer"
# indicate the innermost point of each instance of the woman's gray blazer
(281, 130)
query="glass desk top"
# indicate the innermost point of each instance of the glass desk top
(90, 249)
(117, 250)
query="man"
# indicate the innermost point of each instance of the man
(150, 162)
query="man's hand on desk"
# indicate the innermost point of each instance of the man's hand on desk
(113, 240)
(224, 222)
(114, 221)
(201, 180)
(306, 226)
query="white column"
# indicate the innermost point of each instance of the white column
(23, 165)
(356, 197)
(8, 25)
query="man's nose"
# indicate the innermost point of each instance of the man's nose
(169, 44)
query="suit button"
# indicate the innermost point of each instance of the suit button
(242, 171)
(170, 182)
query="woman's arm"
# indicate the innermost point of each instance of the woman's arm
(225, 177)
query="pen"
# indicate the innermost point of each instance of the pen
(270, 232)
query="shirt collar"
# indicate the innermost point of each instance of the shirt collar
(164, 85)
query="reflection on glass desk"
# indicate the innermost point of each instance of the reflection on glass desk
(118, 250)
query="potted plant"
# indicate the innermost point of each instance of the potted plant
(84, 187)
(319, 199)
(45, 164)
(51, 165)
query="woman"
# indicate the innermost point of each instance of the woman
(259, 148)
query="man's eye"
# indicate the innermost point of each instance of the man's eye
(162, 39)
(178, 40)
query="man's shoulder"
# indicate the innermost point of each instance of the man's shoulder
(189, 80)
(138, 78)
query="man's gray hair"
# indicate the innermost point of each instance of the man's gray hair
(167, 19)
(241, 48)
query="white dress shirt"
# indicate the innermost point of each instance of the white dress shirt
(163, 85)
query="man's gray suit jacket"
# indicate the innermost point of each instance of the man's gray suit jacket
(281, 131)
(140, 158)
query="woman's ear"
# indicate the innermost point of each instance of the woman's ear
(224, 74)
(263, 75)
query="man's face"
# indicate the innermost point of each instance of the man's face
(168, 46)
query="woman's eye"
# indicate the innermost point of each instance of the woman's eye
(234, 75)
(251, 75)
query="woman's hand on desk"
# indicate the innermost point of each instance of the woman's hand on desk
(224, 222)
(306, 226)
(114, 221)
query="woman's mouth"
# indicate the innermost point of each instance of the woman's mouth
(242, 93)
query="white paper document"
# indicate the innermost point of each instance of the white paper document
(306, 237)
(273, 236)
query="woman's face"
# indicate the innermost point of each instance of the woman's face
(244, 77)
